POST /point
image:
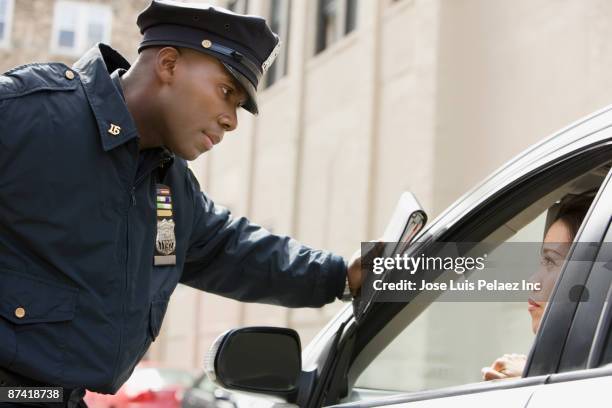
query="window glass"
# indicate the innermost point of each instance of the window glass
(326, 23)
(66, 39)
(3, 7)
(351, 16)
(280, 14)
(335, 18)
(95, 33)
(97, 18)
(5, 16)
(67, 18)
(449, 342)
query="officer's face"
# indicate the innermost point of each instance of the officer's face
(198, 100)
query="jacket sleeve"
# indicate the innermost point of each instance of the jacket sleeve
(235, 258)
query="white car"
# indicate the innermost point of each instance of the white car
(428, 353)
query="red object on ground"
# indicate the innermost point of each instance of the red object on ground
(150, 386)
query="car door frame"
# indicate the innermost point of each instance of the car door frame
(582, 281)
(591, 323)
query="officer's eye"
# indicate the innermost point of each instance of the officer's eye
(226, 90)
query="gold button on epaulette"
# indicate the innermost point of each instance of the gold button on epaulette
(69, 74)
(20, 313)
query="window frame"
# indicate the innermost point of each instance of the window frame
(5, 42)
(82, 11)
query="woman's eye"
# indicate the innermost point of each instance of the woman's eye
(547, 261)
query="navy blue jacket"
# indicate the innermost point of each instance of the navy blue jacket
(80, 297)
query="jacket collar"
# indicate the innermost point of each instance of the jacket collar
(115, 124)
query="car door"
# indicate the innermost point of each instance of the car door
(498, 212)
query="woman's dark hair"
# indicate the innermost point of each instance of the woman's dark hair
(572, 210)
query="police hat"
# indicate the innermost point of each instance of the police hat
(244, 44)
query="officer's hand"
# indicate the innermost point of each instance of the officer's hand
(355, 273)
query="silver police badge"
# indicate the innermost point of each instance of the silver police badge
(165, 242)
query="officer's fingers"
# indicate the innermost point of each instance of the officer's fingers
(379, 247)
(373, 249)
(489, 374)
(356, 257)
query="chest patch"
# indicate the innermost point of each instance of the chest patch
(165, 240)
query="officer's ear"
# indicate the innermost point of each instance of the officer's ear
(165, 64)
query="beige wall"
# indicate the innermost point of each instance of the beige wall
(426, 95)
(511, 73)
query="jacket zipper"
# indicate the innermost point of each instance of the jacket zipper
(142, 177)
(127, 258)
(132, 193)
(144, 174)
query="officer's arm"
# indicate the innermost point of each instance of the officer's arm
(235, 258)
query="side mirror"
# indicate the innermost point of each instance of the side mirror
(256, 359)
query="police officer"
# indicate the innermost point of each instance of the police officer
(100, 217)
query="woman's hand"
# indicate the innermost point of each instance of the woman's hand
(507, 366)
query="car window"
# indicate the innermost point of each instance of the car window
(450, 342)
(447, 343)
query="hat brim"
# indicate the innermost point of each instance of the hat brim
(251, 103)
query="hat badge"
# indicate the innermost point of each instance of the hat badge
(270, 60)
(206, 43)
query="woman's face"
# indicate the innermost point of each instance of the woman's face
(555, 247)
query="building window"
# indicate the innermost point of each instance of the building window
(335, 19)
(279, 20)
(6, 19)
(238, 6)
(78, 26)
(350, 22)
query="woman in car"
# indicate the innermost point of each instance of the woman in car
(567, 216)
